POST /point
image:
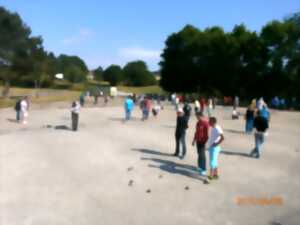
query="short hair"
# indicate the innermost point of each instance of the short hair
(200, 114)
(213, 119)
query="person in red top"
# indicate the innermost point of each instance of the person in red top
(200, 138)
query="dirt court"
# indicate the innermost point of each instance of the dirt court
(111, 172)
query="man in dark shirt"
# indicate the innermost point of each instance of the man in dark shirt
(181, 126)
(187, 110)
(261, 125)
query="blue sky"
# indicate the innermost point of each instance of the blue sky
(115, 32)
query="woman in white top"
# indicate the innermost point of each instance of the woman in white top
(24, 110)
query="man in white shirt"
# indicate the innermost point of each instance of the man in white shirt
(215, 139)
(24, 110)
(75, 115)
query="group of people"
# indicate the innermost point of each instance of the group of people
(209, 133)
(146, 107)
(22, 109)
(201, 139)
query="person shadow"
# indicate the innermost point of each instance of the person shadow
(58, 127)
(232, 153)
(174, 168)
(12, 120)
(234, 131)
(151, 152)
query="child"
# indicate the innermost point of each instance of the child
(215, 139)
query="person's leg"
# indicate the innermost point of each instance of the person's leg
(201, 158)
(18, 116)
(73, 121)
(254, 151)
(177, 145)
(214, 153)
(76, 121)
(260, 141)
(182, 139)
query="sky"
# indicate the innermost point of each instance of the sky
(105, 32)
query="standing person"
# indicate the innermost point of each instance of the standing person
(215, 139)
(75, 109)
(209, 107)
(180, 132)
(156, 109)
(200, 139)
(236, 102)
(146, 108)
(202, 104)
(249, 117)
(187, 110)
(261, 125)
(24, 110)
(82, 99)
(18, 110)
(128, 105)
(197, 106)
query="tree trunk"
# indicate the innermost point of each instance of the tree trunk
(5, 92)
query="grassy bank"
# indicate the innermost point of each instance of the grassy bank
(46, 96)
(142, 90)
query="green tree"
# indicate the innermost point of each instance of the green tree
(137, 74)
(98, 73)
(14, 43)
(73, 68)
(113, 74)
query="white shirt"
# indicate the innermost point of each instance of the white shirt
(197, 104)
(76, 108)
(24, 106)
(215, 135)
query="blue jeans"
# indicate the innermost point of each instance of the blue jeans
(259, 140)
(249, 126)
(201, 157)
(180, 140)
(127, 114)
(18, 116)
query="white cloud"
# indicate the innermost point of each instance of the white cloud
(135, 53)
(83, 35)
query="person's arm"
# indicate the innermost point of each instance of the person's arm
(220, 141)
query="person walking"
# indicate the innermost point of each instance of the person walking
(197, 106)
(180, 133)
(261, 125)
(209, 107)
(200, 139)
(249, 117)
(215, 139)
(18, 110)
(75, 109)
(202, 104)
(128, 105)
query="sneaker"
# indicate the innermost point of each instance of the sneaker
(206, 181)
(216, 177)
(202, 172)
(210, 177)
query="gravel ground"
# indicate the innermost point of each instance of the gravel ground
(111, 172)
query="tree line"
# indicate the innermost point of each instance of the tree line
(240, 62)
(25, 62)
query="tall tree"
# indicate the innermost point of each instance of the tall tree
(113, 74)
(137, 74)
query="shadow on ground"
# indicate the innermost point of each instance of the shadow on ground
(151, 152)
(235, 131)
(59, 127)
(225, 152)
(174, 168)
(12, 120)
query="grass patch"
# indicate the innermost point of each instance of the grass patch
(142, 90)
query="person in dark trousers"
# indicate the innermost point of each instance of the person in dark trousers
(75, 115)
(18, 110)
(200, 139)
(187, 110)
(261, 125)
(180, 133)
